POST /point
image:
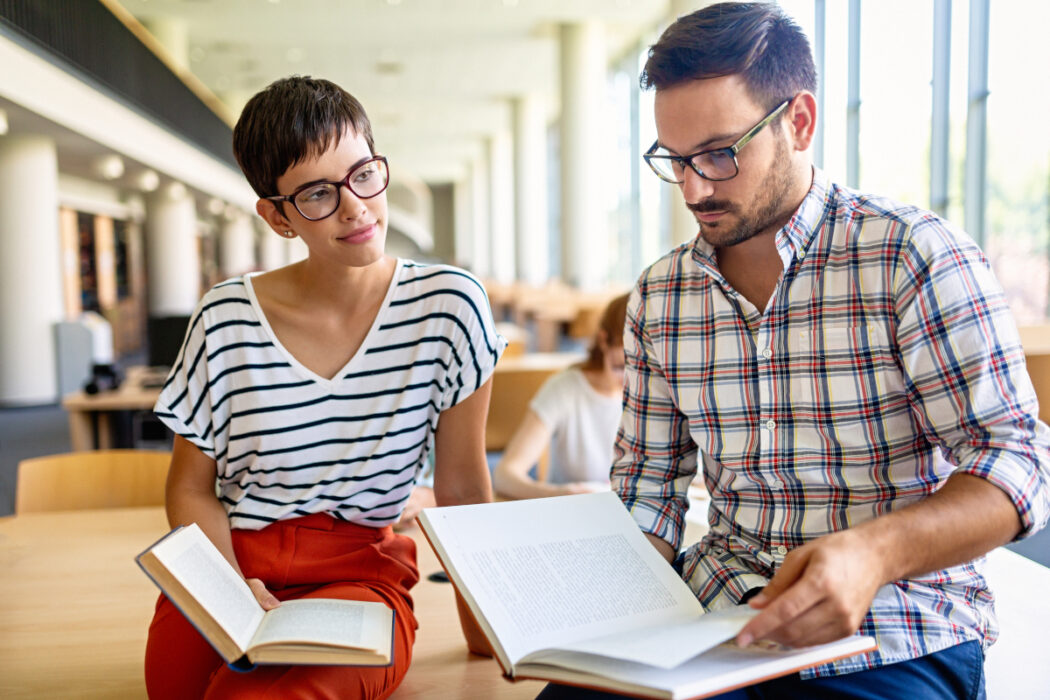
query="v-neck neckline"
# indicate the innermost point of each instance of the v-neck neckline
(298, 366)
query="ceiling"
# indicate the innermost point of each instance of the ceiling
(437, 77)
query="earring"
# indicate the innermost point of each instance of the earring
(289, 234)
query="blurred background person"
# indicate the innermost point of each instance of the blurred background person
(574, 416)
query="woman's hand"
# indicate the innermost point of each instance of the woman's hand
(265, 598)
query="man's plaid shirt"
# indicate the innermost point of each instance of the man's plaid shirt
(885, 360)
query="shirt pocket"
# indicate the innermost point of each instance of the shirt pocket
(845, 372)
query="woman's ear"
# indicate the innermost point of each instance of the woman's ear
(602, 339)
(272, 215)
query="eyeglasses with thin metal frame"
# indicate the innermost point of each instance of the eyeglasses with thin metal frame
(319, 200)
(717, 164)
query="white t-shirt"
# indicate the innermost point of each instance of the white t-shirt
(288, 442)
(583, 424)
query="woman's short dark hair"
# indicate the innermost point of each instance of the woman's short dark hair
(754, 40)
(290, 120)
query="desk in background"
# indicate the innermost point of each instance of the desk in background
(138, 392)
(74, 609)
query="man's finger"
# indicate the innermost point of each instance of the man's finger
(783, 609)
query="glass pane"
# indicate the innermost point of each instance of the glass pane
(896, 99)
(836, 78)
(1018, 195)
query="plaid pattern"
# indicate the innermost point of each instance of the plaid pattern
(886, 360)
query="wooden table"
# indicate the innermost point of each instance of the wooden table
(74, 608)
(84, 409)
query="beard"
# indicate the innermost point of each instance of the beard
(761, 213)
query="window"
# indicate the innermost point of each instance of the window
(1017, 216)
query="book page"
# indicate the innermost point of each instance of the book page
(344, 623)
(666, 647)
(191, 558)
(724, 666)
(552, 571)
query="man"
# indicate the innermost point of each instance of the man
(843, 369)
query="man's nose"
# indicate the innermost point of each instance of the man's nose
(694, 187)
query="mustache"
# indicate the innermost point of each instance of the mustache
(710, 205)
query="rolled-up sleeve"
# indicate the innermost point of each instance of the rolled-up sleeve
(965, 370)
(655, 458)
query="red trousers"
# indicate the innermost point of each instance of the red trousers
(315, 556)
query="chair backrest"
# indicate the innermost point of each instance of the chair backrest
(95, 479)
(514, 383)
(1036, 343)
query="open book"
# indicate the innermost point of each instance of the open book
(195, 576)
(568, 589)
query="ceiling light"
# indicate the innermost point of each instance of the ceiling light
(109, 167)
(176, 191)
(3, 122)
(147, 180)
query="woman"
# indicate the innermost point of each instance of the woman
(305, 400)
(576, 414)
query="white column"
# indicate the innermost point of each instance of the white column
(236, 245)
(530, 189)
(173, 258)
(480, 221)
(463, 221)
(30, 269)
(583, 216)
(271, 250)
(295, 250)
(683, 224)
(501, 211)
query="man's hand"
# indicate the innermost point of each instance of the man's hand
(821, 593)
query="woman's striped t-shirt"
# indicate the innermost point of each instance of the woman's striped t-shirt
(288, 442)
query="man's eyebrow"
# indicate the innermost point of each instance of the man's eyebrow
(705, 145)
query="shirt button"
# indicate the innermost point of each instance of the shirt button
(777, 484)
(801, 255)
(782, 550)
(767, 353)
(771, 424)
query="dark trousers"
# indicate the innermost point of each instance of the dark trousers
(956, 673)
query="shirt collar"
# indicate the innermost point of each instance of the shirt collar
(796, 235)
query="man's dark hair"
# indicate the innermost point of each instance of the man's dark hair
(754, 40)
(290, 120)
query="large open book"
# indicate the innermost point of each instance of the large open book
(195, 576)
(568, 589)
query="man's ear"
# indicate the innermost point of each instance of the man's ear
(801, 120)
(272, 215)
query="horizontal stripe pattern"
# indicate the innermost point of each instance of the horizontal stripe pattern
(886, 360)
(288, 443)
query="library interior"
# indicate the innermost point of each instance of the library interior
(514, 132)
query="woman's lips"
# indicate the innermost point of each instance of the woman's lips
(360, 235)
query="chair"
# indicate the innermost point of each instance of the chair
(1036, 343)
(514, 383)
(96, 479)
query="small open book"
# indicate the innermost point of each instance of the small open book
(195, 576)
(568, 589)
